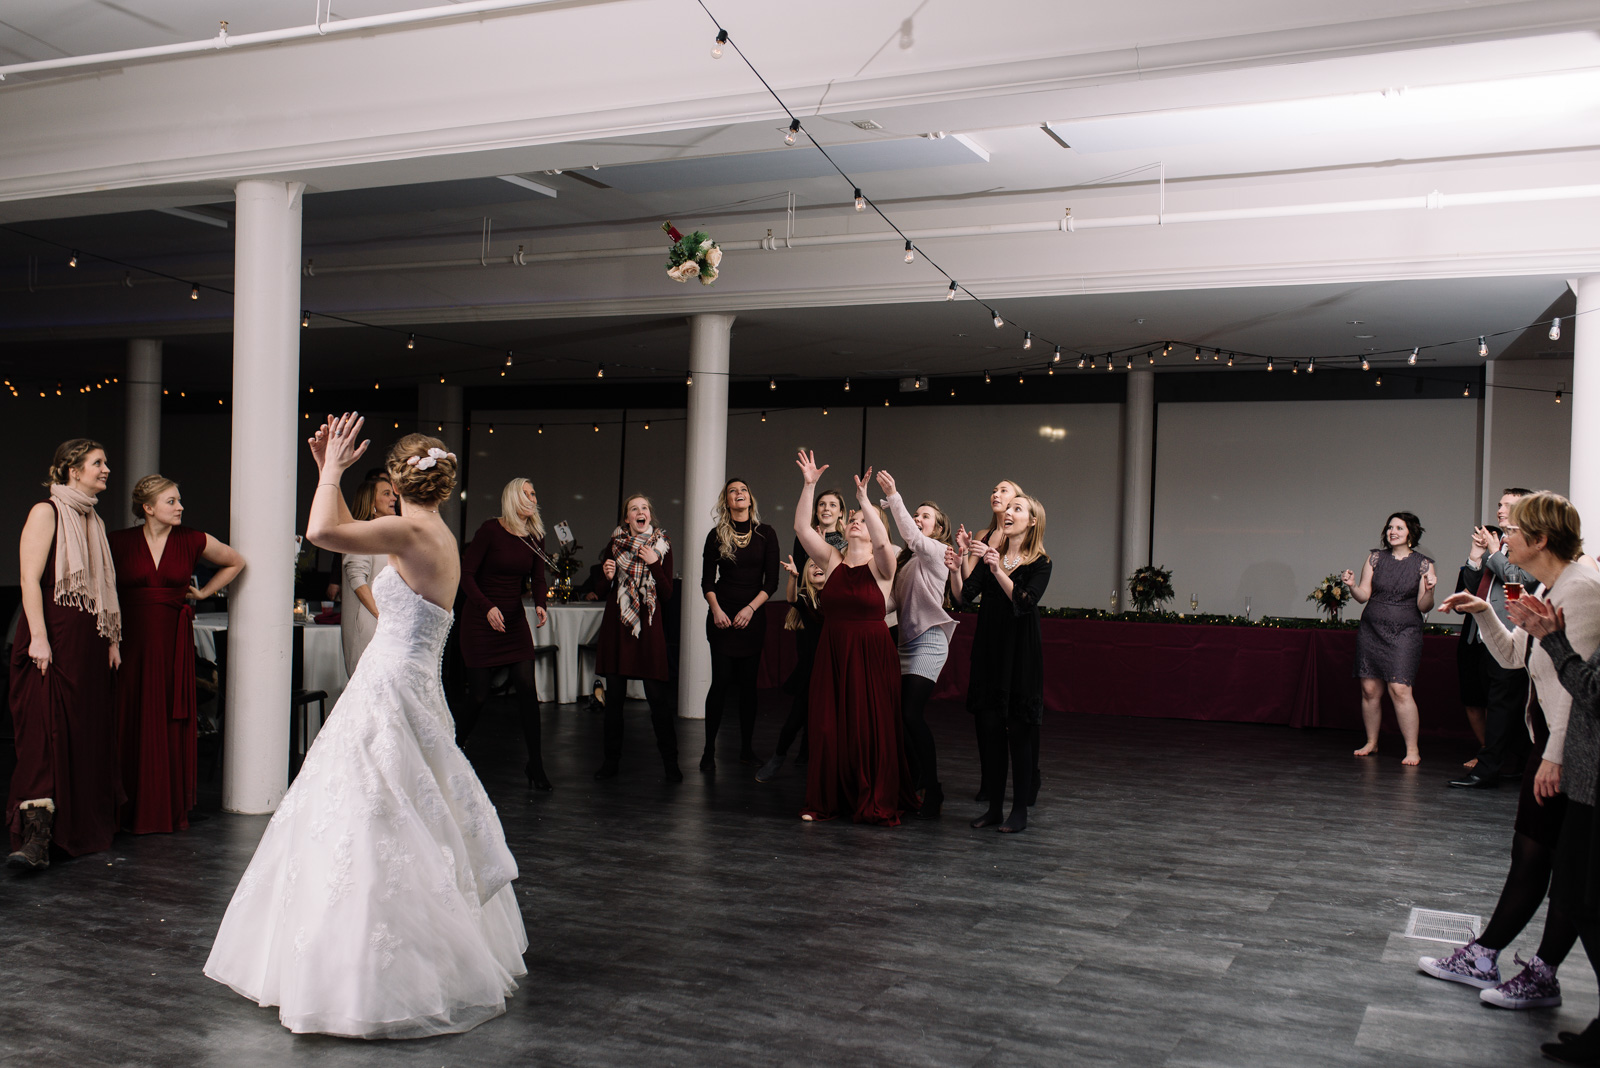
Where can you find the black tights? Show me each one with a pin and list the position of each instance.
(986, 761)
(659, 694)
(738, 674)
(1011, 741)
(799, 710)
(479, 688)
(1520, 898)
(915, 690)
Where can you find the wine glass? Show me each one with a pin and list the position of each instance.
(1194, 602)
(1247, 608)
(1113, 600)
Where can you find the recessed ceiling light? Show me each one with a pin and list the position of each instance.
(963, 335)
(865, 124)
(1355, 322)
(1364, 337)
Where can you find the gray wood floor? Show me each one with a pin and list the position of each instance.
(1186, 894)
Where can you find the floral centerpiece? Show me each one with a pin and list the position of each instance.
(1330, 595)
(692, 256)
(1149, 588)
(565, 564)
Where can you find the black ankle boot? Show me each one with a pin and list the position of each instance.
(932, 802)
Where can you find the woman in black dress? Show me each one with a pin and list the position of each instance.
(1004, 492)
(504, 553)
(739, 574)
(805, 621)
(1397, 588)
(1006, 689)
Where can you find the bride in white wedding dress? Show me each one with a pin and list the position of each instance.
(379, 901)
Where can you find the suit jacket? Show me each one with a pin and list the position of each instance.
(1501, 571)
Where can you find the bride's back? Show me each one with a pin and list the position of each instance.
(430, 562)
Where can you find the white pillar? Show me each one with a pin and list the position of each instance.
(441, 406)
(1138, 456)
(705, 469)
(1584, 479)
(267, 439)
(141, 455)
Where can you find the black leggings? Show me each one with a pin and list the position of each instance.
(1009, 741)
(659, 694)
(479, 689)
(736, 674)
(986, 791)
(915, 690)
(799, 710)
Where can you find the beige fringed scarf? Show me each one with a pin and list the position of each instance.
(85, 577)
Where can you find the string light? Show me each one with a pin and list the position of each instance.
(600, 371)
(1379, 381)
(397, 424)
(1197, 353)
(1466, 389)
(1558, 392)
(1151, 357)
(541, 427)
(411, 341)
(793, 134)
(194, 292)
(72, 261)
(305, 318)
(861, 201)
(1080, 363)
(1050, 369)
(1483, 347)
(1555, 329)
(508, 357)
(1027, 340)
(1019, 378)
(763, 417)
(441, 379)
(688, 379)
(647, 424)
(772, 383)
(950, 294)
(1311, 366)
(824, 411)
(1111, 364)
(1056, 357)
(998, 322)
(886, 402)
(375, 383)
(847, 385)
(597, 428)
(911, 253)
(1167, 351)
(1216, 354)
(1413, 357)
(1269, 363)
(1365, 366)
(491, 428)
(1296, 368)
(1127, 363)
(722, 39)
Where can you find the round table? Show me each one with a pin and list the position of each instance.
(324, 658)
(567, 627)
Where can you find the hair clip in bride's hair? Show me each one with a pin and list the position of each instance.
(422, 463)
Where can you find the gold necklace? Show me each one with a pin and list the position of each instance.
(742, 541)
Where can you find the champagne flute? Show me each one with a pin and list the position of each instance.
(1113, 600)
(1194, 602)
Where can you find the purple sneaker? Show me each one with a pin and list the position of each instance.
(1472, 964)
(1534, 987)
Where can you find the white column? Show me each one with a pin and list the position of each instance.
(705, 469)
(1138, 456)
(441, 406)
(267, 439)
(141, 455)
(1584, 484)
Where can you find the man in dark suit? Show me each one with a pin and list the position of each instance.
(1504, 691)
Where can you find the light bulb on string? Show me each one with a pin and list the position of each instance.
(1311, 366)
(824, 411)
(998, 322)
(793, 134)
(950, 294)
(491, 428)
(861, 201)
(375, 383)
(1378, 381)
(508, 358)
(1365, 366)
(1111, 364)
(1559, 391)
(647, 424)
(763, 417)
(541, 427)
(438, 428)
(1296, 368)
(1483, 348)
(1269, 363)
(600, 371)
(722, 39)
(597, 428)
(772, 383)
(1216, 354)
(72, 261)
(194, 292)
(1197, 353)
(1412, 359)
(911, 253)
(886, 402)
(305, 318)
(1050, 369)
(1151, 357)
(1081, 362)
(1027, 340)
(688, 379)
(1127, 363)
(986, 378)
(847, 385)
(1019, 378)
(1056, 357)
(1555, 329)
(411, 341)
(1167, 349)
(1466, 389)
(441, 379)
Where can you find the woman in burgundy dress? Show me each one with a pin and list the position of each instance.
(63, 708)
(739, 573)
(637, 565)
(494, 628)
(155, 685)
(858, 759)
(1397, 587)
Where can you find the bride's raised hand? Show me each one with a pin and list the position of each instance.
(342, 445)
(808, 467)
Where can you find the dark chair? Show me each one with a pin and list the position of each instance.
(300, 703)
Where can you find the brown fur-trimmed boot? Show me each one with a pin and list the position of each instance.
(37, 817)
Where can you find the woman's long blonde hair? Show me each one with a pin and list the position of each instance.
(994, 517)
(725, 520)
(807, 590)
(1033, 542)
(511, 515)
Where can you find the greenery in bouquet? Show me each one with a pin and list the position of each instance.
(1149, 588)
(692, 256)
(1330, 596)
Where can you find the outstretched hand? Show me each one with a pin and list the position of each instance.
(337, 443)
(886, 483)
(788, 565)
(1463, 602)
(808, 467)
(864, 488)
(964, 540)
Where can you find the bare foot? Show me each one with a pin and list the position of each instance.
(1471, 763)
(1366, 750)
(1412, 760)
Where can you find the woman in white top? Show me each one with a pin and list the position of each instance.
(359, 618)
(925, 628)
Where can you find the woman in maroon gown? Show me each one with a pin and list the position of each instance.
(503, 553)
(637, 565)
(858, 759)
(64, 790)
(155, 686)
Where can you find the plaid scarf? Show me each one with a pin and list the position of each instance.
(636, 586)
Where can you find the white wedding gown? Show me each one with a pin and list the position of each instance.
(379, 901)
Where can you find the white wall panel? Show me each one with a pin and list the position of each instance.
(1530, 436)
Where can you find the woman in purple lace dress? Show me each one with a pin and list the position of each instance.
(1397, 588)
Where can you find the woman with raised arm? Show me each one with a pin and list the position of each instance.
(637, 564)
(739, 572)
(858, 764)
(379, 901)
(999, 498)
(1006, 689)
(827, 519)
(64, 791)
(506, 551)
(920, 580)
(805, 622)
(156, 716)
(1397, 587)
(358, 618)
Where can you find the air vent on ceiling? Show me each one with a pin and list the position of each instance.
(865, 124)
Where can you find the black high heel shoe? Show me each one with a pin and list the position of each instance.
(932, 802)
(537, 780)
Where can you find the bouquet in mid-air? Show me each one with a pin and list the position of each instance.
(691, 256)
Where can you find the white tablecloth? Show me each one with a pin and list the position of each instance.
(569, 626)
(324, 663)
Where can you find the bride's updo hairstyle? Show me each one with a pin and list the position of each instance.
(417, 470)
